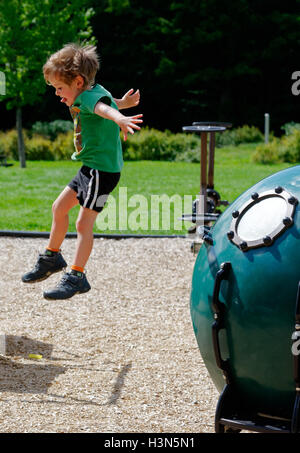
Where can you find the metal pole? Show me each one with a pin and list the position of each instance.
(267, 127)
(212, 144)
(203, 167)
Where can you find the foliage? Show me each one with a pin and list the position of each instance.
(29, 31)
(285, 149)
(244, 134)
(191, 60)
(52, 129)
(38, 148)
(290, 151)
(290, 127)
(201, 60)
(63, 146)
(267, 153)
(151, 144)
(147, 144)
(9, 143)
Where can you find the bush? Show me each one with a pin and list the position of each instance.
(286, 149)
(268, 153)
(289, 128)
(9, 143)
(53, 129)
(147, 144)
(291, 147)
(151, 144)
(38, 148)
(244, 134)
(63, 146)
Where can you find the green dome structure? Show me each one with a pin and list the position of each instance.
(245, 307)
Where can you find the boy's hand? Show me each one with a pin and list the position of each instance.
(130, 99)
(129, 123)
(126, 123)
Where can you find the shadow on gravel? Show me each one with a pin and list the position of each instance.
(33, 377)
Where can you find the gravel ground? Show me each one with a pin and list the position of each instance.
(121, 358)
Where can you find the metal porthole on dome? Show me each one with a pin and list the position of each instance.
(262, 219)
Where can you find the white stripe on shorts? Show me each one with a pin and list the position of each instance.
(95, 194)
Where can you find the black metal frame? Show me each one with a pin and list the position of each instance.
(3, 160)
(211, 198)
(231, 416)
(267, 240)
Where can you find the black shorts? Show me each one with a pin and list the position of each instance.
(93, 187)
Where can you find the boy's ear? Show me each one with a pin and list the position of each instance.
(79, 81)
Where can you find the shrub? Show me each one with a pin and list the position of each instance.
(38, 148)
(63, 146)
(52, 129)
(190, 155)
(9, 143)
(289, 128)
(268, 153)
(186, 147)
(244, 134)
(286, 149)
(151, 144)
(148, 144)
(291, 147)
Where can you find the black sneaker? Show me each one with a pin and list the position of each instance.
(70, 284)
(45, 266)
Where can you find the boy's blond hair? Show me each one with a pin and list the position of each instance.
(70, 61)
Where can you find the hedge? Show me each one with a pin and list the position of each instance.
(54, 141)
(284, 149)
(147, 144)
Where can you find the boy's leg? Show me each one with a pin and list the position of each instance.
(93, 186)
(85, 237)
(60, 221)
(51, 260)
(76, 281)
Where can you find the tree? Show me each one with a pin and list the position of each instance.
(199, 60)
(30, 30)
(192, 60)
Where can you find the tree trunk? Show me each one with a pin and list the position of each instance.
(21, 148)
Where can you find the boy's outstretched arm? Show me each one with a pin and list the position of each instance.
(126, 123)
(130, 99)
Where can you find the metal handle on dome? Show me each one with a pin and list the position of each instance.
(219, 312)
(295, 422)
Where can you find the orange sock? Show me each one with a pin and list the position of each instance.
(77, 268)
(53, 250)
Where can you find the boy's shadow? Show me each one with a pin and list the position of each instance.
(34, 377)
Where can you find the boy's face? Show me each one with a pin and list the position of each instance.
(67, 93)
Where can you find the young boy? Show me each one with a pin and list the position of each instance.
(97, 122)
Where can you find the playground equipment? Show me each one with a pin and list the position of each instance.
(245, 307)
(3, 160)
(205, 208)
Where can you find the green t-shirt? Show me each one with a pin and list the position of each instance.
(96, 139)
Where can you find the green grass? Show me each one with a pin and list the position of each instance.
(27, 194)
